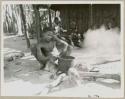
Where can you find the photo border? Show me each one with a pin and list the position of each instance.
(122, 2)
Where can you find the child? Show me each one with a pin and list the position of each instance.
(43, 50)
(57, 26)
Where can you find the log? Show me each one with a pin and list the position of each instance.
(96, 75)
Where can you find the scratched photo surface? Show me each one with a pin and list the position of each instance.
(64, 50)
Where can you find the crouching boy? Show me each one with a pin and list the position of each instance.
(44, 51)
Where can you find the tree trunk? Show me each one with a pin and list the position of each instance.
(37, 22)
(19, 25)
(24, 23)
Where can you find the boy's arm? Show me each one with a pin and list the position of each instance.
(61, 42)
(63, 30)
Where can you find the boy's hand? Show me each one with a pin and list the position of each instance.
(63, 53)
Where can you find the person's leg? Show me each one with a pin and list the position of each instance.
(33, 50)
(34, 53)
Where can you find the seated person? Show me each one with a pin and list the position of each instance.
(75, 36)
(57, 26)
(43, 51)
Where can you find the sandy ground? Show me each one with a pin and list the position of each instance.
(23, 77)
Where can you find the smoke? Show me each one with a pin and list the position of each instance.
(103, 41)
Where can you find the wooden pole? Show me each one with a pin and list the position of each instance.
(91, 16)
(50, 21)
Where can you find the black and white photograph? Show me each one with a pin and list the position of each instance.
(62, 49)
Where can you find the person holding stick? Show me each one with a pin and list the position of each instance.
(44, 51)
